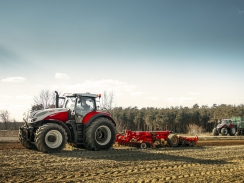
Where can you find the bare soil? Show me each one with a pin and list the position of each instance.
(204, 163)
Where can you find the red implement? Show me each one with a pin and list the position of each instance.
(144, 139)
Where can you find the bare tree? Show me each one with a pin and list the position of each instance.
(26, 114)
(45, 99)
(37, 107)
(5, 116)
(107, 100)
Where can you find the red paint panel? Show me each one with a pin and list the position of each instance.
(89, 115)
(61, 116)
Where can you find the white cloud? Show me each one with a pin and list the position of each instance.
(6, 96)
(14, 79)
(137, 94)
(119, 88)
(152, 98)
(40, 86)
(24, 97)
(180, 99)
(240, 12)
(170, 99)
(8, 106)
(62, 76)
(3, 105)
(193, 93)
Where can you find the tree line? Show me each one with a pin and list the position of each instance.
(10, 125)
(177, 119)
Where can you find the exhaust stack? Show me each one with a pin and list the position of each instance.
(57, 98)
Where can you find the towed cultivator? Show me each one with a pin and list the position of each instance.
(152, 139)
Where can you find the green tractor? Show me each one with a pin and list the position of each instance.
(239, 122)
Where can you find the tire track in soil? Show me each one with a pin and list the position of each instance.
(123, 165)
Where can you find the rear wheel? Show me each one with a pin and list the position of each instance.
(224, 131)
(51, 138)
(232, 131)
(215, 132)
(173, 140)
(100, 135)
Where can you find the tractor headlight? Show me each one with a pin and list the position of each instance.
(33, 120)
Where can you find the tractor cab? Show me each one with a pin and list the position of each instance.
(224, 122)
(79, 104)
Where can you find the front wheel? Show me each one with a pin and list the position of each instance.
(224, 131)
(215, 132)
(100, 135)
(51, 138)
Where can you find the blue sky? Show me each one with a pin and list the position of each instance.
(149, 53)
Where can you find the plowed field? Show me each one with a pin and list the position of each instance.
(202, 163)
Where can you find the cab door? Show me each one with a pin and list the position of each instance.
(84, 105)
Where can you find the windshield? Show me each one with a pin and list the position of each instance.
(225, 121)
(85, 104)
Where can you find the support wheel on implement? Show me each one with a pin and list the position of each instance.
(173, 140)
(143, 145)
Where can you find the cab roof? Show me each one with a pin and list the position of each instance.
(81, 94)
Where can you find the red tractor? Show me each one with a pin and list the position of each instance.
(225, 127)
(78, 122)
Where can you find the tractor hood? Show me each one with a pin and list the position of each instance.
(46, 114)
(221, 125)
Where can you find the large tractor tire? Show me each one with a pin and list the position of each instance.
(224, 132)
(215, 132)
(173, 140)
(51, 138)
(100, 135)
(232, 131)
